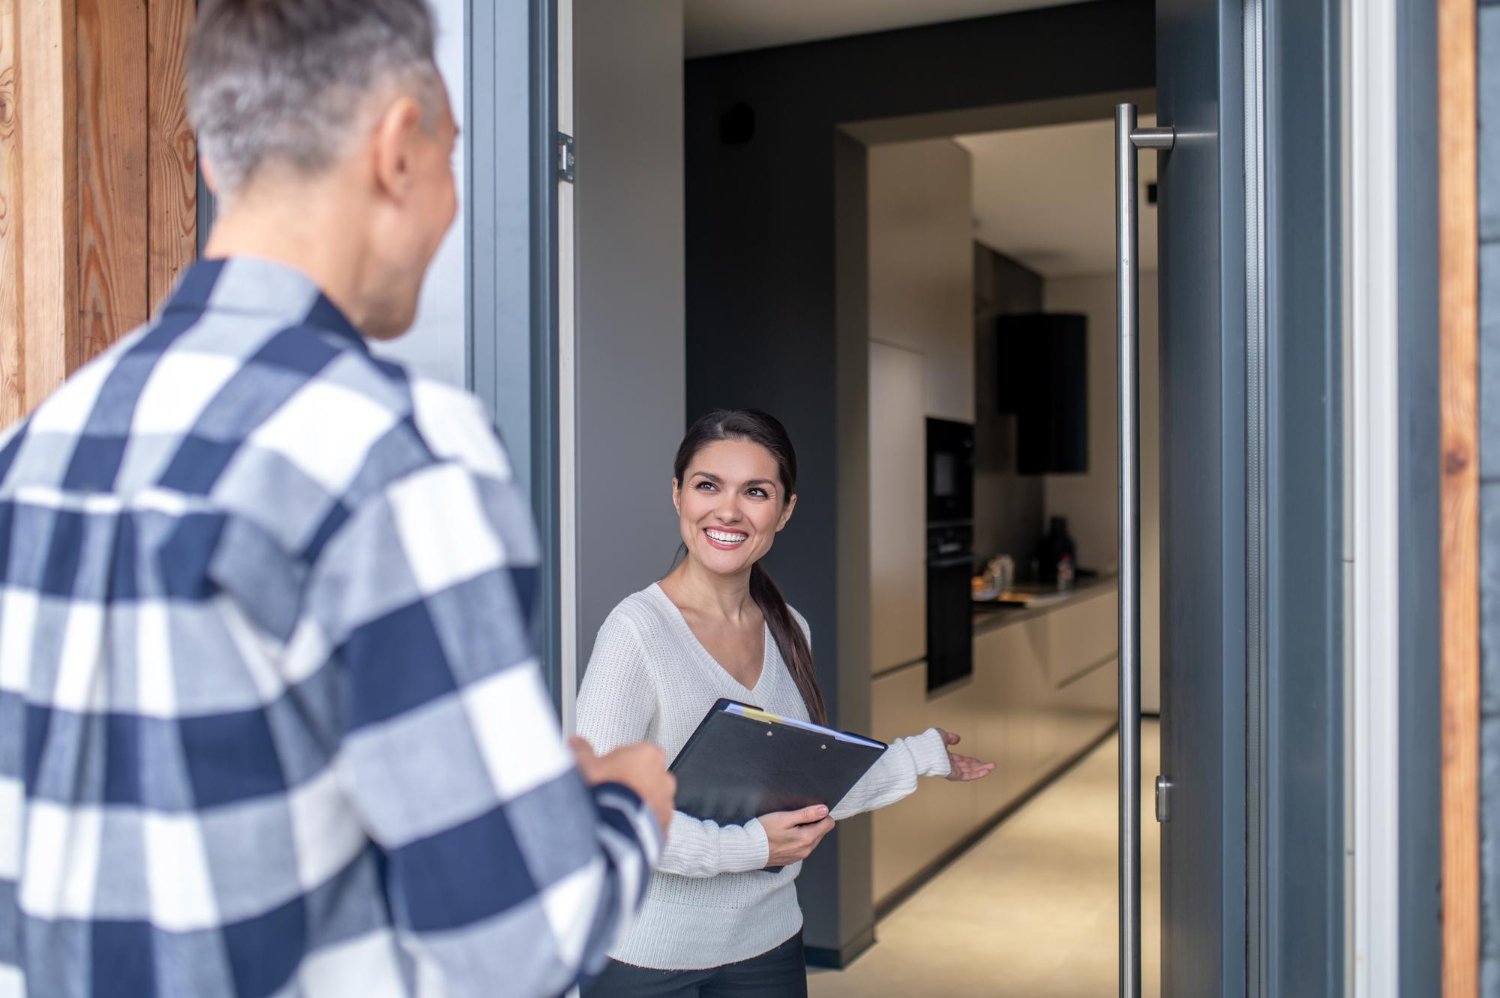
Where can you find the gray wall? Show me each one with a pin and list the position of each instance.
(1489, 368)
(629, 224)
(764, 219)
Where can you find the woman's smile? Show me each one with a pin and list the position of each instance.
(725, 540)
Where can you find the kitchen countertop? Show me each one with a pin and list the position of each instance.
(990, 618)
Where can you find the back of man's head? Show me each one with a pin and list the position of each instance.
(282, 82)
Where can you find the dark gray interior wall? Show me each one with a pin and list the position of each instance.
(1007, 506)
(762, 309)
(835, 889)
(628, 118)
(1489, 468)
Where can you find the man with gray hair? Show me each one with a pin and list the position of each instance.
(270, 722)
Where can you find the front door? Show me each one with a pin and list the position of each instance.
(1202, 350)
(1250, 269)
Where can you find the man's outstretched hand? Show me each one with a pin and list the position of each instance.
(640, 766)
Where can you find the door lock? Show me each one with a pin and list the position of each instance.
(1163, 799)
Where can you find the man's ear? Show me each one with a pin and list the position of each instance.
(786, 514)
(209, 179)
(395, 145)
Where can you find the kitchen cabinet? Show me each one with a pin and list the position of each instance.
(1043, 691)
(937, 817)
(898, 515)
(920, 238)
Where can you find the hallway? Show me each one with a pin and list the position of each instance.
(1030, 911)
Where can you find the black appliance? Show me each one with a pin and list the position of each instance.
(950, 614)
(1043, 380)
(950, 551)
(950, 472)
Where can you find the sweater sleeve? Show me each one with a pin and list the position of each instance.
(617, 704)
(895, 775)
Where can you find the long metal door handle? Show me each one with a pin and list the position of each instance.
(1129, 138)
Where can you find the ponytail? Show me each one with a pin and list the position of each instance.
(790, 641)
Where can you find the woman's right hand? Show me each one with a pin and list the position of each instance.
(795, 834)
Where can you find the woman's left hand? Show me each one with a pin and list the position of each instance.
(963, 768)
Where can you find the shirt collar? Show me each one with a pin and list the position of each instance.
(252, 286)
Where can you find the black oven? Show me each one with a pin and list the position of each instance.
(950, 614)
(950, 551)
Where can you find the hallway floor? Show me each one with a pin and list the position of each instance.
(1028, 911)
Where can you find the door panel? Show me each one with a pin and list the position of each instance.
(1202, 489)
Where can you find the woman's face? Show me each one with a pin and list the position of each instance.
(730, 505)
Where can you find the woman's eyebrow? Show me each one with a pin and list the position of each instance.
(754, 482)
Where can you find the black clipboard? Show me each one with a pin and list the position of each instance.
(737, 767)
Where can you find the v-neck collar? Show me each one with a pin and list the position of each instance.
(707, 658)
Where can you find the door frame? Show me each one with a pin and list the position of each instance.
(518, 322)
(1396, 770)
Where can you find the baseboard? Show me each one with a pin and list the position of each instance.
(838, 959)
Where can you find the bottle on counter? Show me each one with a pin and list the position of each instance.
(1052, 548)
(1065, 572)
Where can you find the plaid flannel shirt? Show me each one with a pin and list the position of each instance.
(269, 718)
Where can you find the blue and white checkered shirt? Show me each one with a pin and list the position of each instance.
(269, 718)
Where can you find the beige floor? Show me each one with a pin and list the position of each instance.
(1030, 910)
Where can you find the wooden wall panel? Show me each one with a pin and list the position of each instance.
(98, 180)
(1459, 351)
(112, 170)
(12, 379)
(173, 193)
(46, 120)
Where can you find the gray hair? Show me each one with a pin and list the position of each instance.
(284, 80)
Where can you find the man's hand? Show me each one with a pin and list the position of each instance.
(641, 766)
(793, 835)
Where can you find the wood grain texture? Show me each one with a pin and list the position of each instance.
(12, 378)
(173, 178)
(112, 171)
(46, 119)
(1458, 240)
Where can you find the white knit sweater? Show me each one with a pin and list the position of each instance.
(711, 902)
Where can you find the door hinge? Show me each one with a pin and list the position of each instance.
(1163, 799)
(565, 158)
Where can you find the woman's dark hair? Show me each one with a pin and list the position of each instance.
(764, 429)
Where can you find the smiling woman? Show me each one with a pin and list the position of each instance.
(734, 484)
(719, 912)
